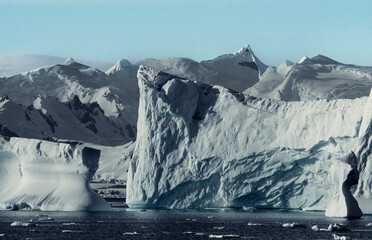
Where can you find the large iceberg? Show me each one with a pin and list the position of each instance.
(363, 191)
(208, 146)
(42, 175)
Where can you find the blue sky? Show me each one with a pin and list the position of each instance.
(107, 30)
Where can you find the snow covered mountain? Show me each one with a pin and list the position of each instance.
(207, 146)
(68, 101)
(237, 71)
(313, 78)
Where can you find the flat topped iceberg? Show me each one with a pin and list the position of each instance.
(208, 146)
(42, 175)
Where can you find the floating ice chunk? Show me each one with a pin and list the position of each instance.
(219, 228)
(22, 224)
(130, 233)
(231, 236)
(199, 234)
(315, 228)
(344, 175)
(338, 228)
(2, 234)
(46, 219)
(226, 236)
(68, 224)
(70, 231)
(255, 224)
(215, 236)
(340, 237)
(248, 209)
(369, 225)
(188, 232)
(294, 225)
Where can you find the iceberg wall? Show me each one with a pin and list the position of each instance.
(344, 174)
(42, 175)
(208, 146)
(363, 191)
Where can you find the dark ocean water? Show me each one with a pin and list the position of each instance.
(175, 225)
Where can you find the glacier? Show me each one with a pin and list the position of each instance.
(51, 176)
(204, 146)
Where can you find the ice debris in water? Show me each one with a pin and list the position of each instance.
(369, 225)
(248, 209)
(68, 224)
(255, 224)
(46, 219)
(219, 228)
(22, 224)
(70, 231)
(2, 234)
(332, 228)
(294, 225)
(188, 232)
(340, 237)
(338, 228)
(315, 228)
(199, 234)
(226, 236)
(131, 233)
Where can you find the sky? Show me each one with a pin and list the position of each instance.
(107, 30)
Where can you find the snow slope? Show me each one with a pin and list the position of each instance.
(313, 78)
(49, 176)
(49, 118)
(81, 97)
(207, 146)
(237, 71)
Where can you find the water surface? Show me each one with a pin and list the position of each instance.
(150, 224)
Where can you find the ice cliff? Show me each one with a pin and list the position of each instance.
(44, 175)
(344, 174)
(363, 191)
(208, 146)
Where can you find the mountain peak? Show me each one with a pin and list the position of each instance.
(69, 61)
(305, 59)
(121, 64)
(246, 49)
(323, 60)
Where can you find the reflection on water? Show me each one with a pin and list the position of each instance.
(136, 224)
